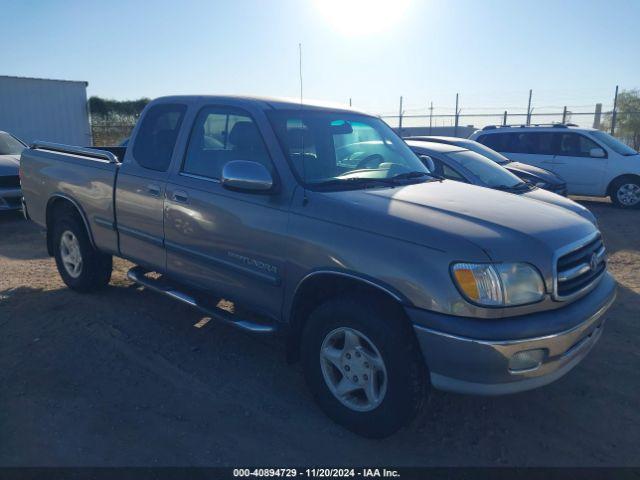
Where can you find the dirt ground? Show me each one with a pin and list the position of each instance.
(122, 378)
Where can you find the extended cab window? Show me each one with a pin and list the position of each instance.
(221, 135)
(576, 145)
(154, 143)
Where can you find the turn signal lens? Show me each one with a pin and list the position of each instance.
(479, 283)
(467, 283)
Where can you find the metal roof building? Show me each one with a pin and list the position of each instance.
(44, 109)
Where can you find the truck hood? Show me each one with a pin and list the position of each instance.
(454, 217)
(560, 201)
(9, 165)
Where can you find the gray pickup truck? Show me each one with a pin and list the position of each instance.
(383, 278)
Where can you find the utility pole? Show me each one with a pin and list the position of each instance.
(400, 116)
(564, 115)
(504, 119)
(529, 108)
(615, 111)
(350, 101)
(597, 117)
(455, 130)
(430, 117)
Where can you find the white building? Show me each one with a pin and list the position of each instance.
(43, 109)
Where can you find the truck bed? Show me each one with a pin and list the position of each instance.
(84, 176)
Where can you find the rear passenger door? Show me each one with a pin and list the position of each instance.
(141, 182)
(228, 243)
(576, 164)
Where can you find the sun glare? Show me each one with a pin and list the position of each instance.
(362, 17)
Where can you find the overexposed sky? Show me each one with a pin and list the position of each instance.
(492, 52)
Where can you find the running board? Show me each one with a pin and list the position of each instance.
(138, 275)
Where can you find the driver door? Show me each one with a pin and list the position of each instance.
(227, 243)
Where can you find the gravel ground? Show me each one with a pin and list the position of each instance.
(122, 378)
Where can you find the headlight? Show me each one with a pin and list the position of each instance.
(498, 284)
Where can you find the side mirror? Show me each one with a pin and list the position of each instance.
(246, 176)
(428, 162)
(597, 153)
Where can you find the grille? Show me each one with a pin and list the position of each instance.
(10, 181)
(580, 268)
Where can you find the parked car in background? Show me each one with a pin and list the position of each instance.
(591, 161)
(10, 192)
(322, 225)
(535, 175)
(463, 165)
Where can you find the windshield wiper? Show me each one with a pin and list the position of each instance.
(511, 188)
(416, 174)
(354, 181)
(403, 176)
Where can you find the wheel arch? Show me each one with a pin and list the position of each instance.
(633, 176)
(58, 202)
(319, 286)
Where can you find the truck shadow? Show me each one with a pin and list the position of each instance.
(128, 361)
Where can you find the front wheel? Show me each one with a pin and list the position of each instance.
(363, 365)
(625, 192)
(82, 267)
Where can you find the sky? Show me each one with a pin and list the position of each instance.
(491, 52)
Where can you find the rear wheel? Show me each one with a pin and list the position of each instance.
(625, 192)
(82, 267)
(363, 365)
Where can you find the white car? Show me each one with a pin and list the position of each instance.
(591, 161)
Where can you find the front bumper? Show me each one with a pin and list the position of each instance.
(10, 198)
(479, 363)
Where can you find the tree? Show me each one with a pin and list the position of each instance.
(122, 110)
(627, 117)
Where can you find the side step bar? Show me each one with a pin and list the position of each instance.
(138, 275)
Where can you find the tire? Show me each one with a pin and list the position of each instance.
(398, 399)
(625, 192)
(95, 267)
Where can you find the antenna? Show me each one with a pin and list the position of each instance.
(305, 200)
(300, 70)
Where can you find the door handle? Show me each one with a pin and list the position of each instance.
(180, 196)
(153, 189)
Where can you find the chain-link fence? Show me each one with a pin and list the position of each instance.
(107, 134)
(627, 124)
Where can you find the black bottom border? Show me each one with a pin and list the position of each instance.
(406, 473)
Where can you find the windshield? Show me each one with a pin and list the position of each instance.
(491, 174)
(336, 147)
(613, 143)
(10, 145)
(487, 152)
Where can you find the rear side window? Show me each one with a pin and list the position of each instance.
(539, 143)
(494, 142)
(219, 136)
(576, 145)
(156, 139)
